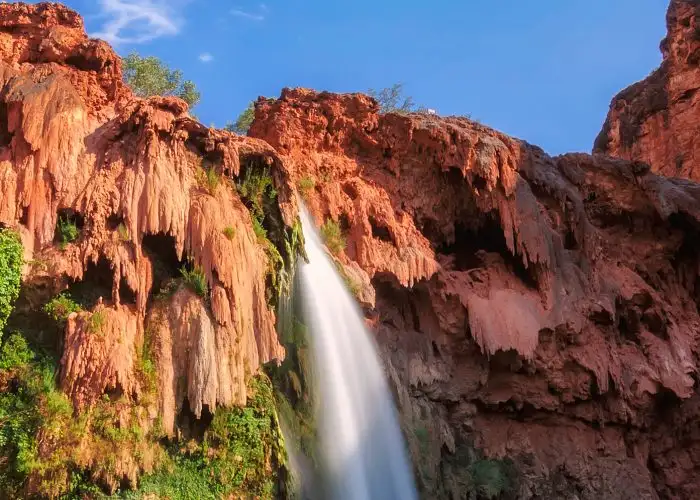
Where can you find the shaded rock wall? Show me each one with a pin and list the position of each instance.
(527, 307)
(130, 172)
(655, 120)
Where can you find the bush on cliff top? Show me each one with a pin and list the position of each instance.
(11, 259)
(149, 76)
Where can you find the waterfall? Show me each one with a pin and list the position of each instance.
(360, 445)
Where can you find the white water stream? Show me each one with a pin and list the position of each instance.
(361, 448)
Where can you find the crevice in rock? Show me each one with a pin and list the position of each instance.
(470, 243)
(380, 231)
(95, 286)
(5, 135)
(191, 427)
(161, 250)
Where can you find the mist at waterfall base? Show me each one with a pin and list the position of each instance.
(360, 449)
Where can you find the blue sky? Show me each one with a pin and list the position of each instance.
(541, 70)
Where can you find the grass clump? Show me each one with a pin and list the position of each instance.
(196, 280)
(258, 188)
(60, 307)
(239, 457)
(491, 478)
(306, 185)
(123, 232)
(97, 322)
(229, 232)
(333, 236)
(11, 260)
(67, 230)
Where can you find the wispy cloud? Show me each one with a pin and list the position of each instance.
(138, 21)
(206, 57)
(258, 15)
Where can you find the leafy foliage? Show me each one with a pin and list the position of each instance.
(67, 230)
(257, 188)
(333, 236)
(149, 76)
(208, 178)
(15, 352)
(392, 99)
(244, 120)
(229, 232)
(196, 280)
(97, 322)
(490, 478)
(60, 307)
(306, 185)
(123, 232)
(240, 454)
(11, 259)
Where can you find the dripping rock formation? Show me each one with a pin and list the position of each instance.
(537, 315)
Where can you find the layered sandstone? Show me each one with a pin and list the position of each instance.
(130, 172)
(655, 120)
(540, 309)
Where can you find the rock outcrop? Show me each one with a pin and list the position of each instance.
(655, 120)
(131, 174)
(534, 308)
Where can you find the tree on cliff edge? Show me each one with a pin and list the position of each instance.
(392, 100)
(148, 76)
(244, 120)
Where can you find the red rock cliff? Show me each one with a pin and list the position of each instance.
(130, 172)
(656, 120)
(536, 308)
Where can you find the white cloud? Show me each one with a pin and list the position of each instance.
(139, 21)
(253, 16)
(206, 57)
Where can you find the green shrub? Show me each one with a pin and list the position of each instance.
(11, 260)
(68, 232)
(230, 232)
(306, 185)
(259, 230)
(60, 307)
(123, 232)
(209, 178)
(333, 236)
(196, 280)
(490, 478)
(15, 352)
(257, 187)
(97, 321)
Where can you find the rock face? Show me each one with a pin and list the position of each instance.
(655, 120)
(527, 307)
(537, 316)
(130, 173)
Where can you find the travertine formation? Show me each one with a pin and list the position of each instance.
(541, 309)
(656, 120)
(130, 173)
(532, 308)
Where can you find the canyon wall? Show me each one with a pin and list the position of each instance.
(150, 195)
(537, 315)
(656, 120)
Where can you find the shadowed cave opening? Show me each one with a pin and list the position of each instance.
(161, 249)
(488, 237)
(5, 135)
(96, 283)
(191, 427)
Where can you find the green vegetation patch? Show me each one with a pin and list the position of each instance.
(333, 236)
(11, 260)
(67, 230)
(196, 280)
(60, 307)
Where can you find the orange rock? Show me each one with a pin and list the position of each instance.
(655, 120)
(531, 305)
(75, 140)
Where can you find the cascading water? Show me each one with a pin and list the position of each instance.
(361, 448)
